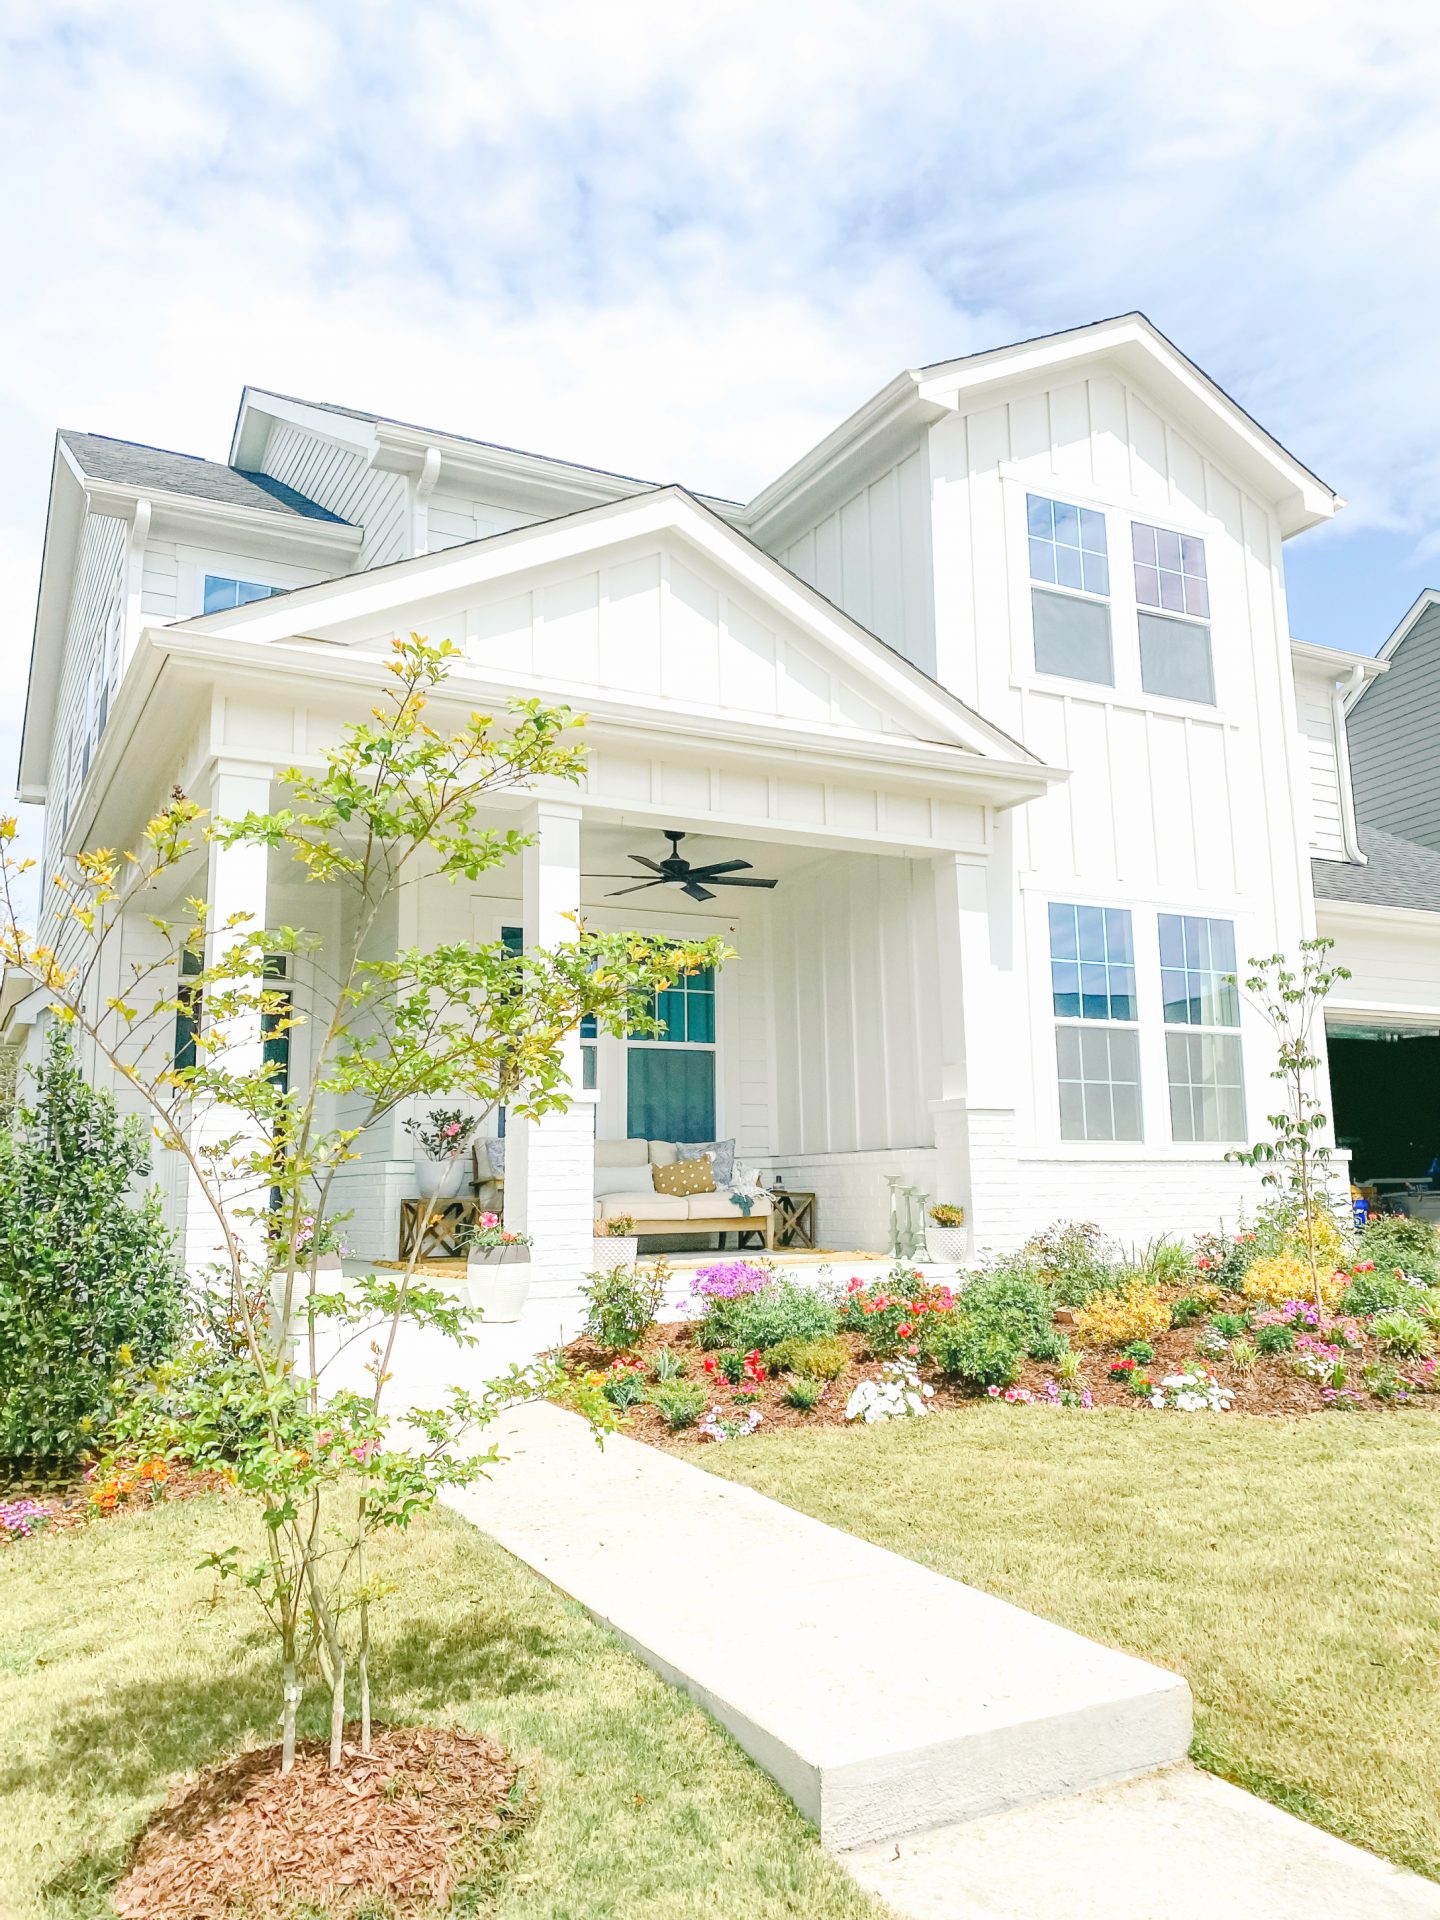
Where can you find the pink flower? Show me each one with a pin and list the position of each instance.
(994, 1392)
(452, 1129)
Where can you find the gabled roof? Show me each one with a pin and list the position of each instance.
(363, 602)
(130, 463)
(922, 395)
(1397, 873)
(1427, 597)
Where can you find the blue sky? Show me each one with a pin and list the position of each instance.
(685, 241)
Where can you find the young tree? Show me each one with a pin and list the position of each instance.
(1297, 1160)
(399, 799)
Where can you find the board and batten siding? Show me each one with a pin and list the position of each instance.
(1315, 708)
(1163, 794)
(1394, 735)
(871, 556)
(338, 478)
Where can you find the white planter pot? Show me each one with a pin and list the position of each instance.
(440, 1179)
(616, 1250)
(946, 1245)
(497, 1282)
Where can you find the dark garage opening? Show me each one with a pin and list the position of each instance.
(1385, 1086)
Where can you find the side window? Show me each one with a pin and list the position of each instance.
(1172, 595)
(1097, 1042)
(1070, 590)
(1202, 1020)
(222, 594)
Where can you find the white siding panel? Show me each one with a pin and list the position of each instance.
(338, 479)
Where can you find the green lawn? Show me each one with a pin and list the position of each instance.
(1289, 1569)
(116, 1676)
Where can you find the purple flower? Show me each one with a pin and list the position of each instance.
(729, 1280)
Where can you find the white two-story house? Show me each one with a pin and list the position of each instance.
(996, 684)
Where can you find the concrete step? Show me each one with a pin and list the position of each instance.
(1176, 1845)
(883, 1698)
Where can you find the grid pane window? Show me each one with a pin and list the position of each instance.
(688, 1010)
(1196, 956)
(1201, 1004)
(1207, 1090)
(1092, 963)
(1170, 571)
(1067, 545)
(222, 594)
(1097, 1046)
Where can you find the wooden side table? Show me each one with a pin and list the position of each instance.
(447, 1231)
(793, 1215)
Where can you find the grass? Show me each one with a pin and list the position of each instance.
(117, 1675)
(1289, 1569)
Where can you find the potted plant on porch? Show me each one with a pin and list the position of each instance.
(497, 1270)
(616, 1243)
(442, 1137)
(945, 1235)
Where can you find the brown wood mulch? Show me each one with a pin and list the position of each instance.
(1268, 1388)
(403, 1827)
(69, 1500)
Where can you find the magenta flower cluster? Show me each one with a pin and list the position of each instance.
(729, 1280)
(20, 1518)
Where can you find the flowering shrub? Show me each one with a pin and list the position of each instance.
(1124, 1367)
(1316, 1359)
(1136, 1312)
(730, 1280)
(744, 1371)
(21, 1520)
(1223, 1258)
(679, 1402)
(1073, 1258)
(1193, 1391)
(764, 1316)
(889, 1316)
(1373, 1289)
(1277, 1277)
(975, 1353)
(897, 1395)
(1049, 1395)
(943, 1214)
(622, 1303)
(488, 1232)
(114, 1480)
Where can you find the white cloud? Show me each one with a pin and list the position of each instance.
(684, 241)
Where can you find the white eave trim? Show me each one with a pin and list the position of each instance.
(292, 529)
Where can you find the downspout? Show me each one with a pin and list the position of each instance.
(1340, 694)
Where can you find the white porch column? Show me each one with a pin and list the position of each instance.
(236, 882)
(550, 1162)
(983, 1039)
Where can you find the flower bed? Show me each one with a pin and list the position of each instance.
(762, 1353)
(30, 1509)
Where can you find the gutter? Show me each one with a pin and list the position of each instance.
(1340, 694)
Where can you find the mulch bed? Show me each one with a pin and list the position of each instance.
(1268, 1388)
(69, 1499)
(400, 1828)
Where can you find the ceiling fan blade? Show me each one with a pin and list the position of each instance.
(737, 880)
(721, 866)
(654, 865)
(639, 887)
(696, 892)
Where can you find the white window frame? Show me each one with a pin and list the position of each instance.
(1203, 1030)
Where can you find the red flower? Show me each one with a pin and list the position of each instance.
(904, 1331)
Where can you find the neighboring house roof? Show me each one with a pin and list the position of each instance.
(130, 463)
(1397, 873)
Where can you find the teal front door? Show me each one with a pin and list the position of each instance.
(670, 1093)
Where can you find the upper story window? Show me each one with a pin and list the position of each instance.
(1069, 594)
(1174, 638)
(222, 594)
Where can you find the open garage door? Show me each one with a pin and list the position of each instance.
(1385, 1088)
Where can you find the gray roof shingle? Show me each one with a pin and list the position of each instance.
(1398, 873)
(133, 465)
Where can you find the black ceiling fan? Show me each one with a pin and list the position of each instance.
(676, 871)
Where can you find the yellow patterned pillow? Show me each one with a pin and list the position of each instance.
(685, 1176)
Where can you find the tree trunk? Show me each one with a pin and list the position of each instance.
(337, 1709)
(292, 1708)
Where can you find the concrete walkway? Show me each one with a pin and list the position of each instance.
(967, 1760)
(884, 1698)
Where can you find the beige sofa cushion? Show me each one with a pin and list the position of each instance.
(622, 1153)
(719, 1206)
(642, 1206)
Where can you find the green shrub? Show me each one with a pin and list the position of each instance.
(1275, 1339)
(1166, 1261)
(975, 1354)
(731, 1364)
(1048, 1345)
(89, 1281)
(1383, 1381)
(1379, 1292)
(803, 1392)
(781, 1311)
(826, 1359)
(680, 1402)
(1013, 1300)
(1231, 1326)
(1189, 1308)
(668, 1365)
(624, 1385)
(1393, 1240)
(1244, 1354)
(1140, 1351)
(1401, 1333)
(1427, 1306)
(1073, 1258)
(621, 1305)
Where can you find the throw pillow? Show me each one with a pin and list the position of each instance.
(686, 1176)
(663, 1153)
(621, 1180)
(495, 1152)
(721, 1152)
